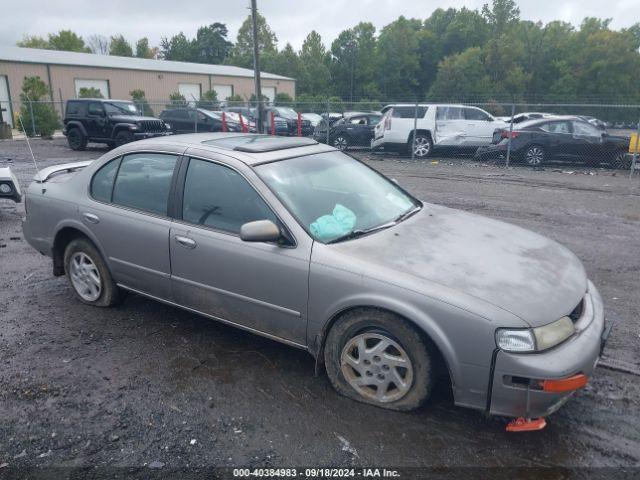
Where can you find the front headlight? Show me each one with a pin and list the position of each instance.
(536, 339)
(554, 333)
(520, 340)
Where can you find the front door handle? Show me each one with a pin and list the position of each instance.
(90, 217)
(186, 242)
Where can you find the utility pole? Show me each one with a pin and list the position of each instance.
(256, 62)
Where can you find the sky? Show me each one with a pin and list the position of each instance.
(291, 20)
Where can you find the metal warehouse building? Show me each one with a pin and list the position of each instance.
(67, 72)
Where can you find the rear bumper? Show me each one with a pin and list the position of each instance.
(517, 389)
(8, 178)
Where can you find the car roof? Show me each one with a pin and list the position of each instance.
(249, 148)
(550, 118)
(98, 100)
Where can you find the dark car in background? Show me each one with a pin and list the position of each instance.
(114, 122)
(355, 130)
(290, 116)
(563, 138)
(192, 120)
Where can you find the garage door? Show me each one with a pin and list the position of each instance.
(102, 85)
(190, 91)
(269, 92)
(223, 91)
(5, 105)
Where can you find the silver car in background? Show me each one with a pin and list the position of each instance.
(301, 243)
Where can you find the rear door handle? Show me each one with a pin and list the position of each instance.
(90, 217)
(186, 242)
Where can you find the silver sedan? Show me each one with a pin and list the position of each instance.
(303, 244)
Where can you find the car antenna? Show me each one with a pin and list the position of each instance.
(28, 142)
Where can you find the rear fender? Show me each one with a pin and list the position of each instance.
(76, 124)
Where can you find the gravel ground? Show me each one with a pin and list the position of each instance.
(146, 384)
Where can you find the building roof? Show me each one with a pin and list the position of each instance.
(57, 57)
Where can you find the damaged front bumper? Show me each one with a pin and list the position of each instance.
(538, 384)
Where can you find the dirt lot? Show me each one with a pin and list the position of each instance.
(147, 384)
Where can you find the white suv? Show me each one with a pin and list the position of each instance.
(442, 125)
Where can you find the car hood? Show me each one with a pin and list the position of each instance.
(514, 269)
(130, 118)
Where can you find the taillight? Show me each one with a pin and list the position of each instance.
(505, 134)
(387, 122)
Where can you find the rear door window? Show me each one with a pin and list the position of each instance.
(102, 181)
(556, 127)
(74, 108)
(144, 181)
(408, 111)
(450, 113)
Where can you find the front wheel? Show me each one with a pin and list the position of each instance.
(88, 274)
(620, 160)
(123, 137)
(422, 146)
(341, 142)
(378, 358)
(534, 156)
(76, 139)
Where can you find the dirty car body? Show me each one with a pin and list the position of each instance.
(505, 311)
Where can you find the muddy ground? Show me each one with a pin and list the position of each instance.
(147, 384)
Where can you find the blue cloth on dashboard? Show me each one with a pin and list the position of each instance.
(340, 222)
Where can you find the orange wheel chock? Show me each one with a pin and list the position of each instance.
(522, 424)
(565, 384)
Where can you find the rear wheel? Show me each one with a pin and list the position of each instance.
(88, 274)
(620, 160)
(534, 155)
(76, 139)
(378, 358)
(123, 137)
(422, 146)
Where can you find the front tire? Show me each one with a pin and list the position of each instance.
(422, 147)
(620, 160)
(88, 274)
(378, 358)
(341, 142)
(76, 139)
(123, 137)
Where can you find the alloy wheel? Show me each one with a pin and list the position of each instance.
(341, 143)
(85, 277)
(421, 147)
(377, 367)
(534, 156)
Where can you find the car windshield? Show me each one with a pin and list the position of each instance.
(118, 108)
(320, 191)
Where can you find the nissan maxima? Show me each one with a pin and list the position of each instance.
(296, 241)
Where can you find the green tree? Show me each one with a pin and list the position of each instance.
(89, 92)
(211, 44)
(177, 100)
(119, 47)
(235, 98)
(314, 75)
(68, 41)
(177, 48)
(502, 15)
(399, 59)
(461, 77)
(209, 100)
(285, 62)
(143, 50)
(37, 114)
(34, 42)
(139, 98)
(242, 51)
(283, 98)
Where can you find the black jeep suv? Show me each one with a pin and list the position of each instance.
(114, 122)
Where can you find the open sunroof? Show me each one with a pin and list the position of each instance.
(260, 143)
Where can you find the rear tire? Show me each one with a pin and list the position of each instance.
(88, 274)
(423, 146)
(534, 156)
(376, 357)
(123, 137)
(76, 139)
(620, 160)
(341, 142)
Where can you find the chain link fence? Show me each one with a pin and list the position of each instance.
(532, 134)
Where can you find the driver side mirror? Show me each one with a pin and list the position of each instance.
(260, 231)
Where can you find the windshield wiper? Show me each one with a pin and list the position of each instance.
(407, 214)
(360, 232)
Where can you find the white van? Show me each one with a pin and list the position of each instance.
(438, 125)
